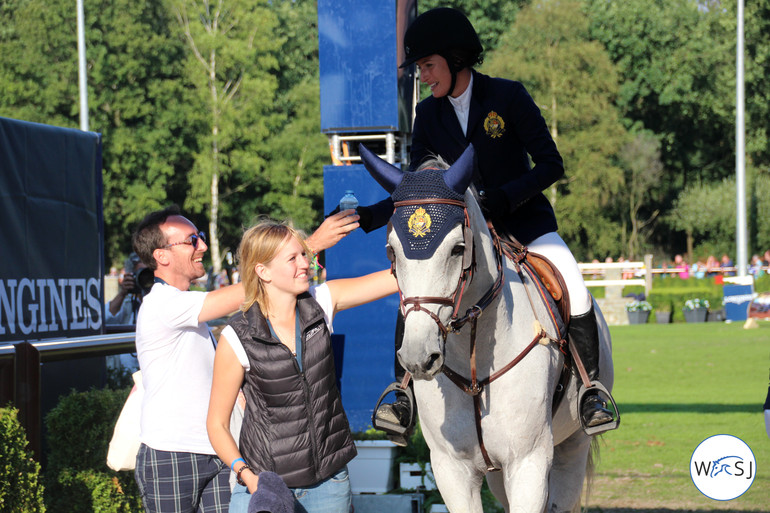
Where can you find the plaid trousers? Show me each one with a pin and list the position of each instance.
(182, 482)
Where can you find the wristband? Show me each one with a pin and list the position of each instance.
(236, 460)
(238, 474)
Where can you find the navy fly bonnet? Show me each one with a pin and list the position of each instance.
(421, 227)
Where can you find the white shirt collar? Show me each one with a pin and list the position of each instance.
(462, 105)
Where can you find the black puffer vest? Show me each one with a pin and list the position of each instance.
(294, 424)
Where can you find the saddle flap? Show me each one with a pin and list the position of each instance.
(553, 282)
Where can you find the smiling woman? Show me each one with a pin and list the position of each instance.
(278, 350)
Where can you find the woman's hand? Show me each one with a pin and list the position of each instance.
(251, 479)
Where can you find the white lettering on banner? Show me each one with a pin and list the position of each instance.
(742, 298)
(29, 307)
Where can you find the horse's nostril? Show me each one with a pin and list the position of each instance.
(433, 363)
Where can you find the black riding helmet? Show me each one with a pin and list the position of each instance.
(446, 32)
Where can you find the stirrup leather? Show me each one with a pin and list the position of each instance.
(389, 427)
(605, 394)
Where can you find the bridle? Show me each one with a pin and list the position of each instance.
(415, 303)
(408, 305)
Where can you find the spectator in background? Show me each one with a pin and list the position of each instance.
(728, 268)
(681, 266)
(755, 267)
(122, 309)
(712, 266)
(698, 269)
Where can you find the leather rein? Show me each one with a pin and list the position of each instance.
(472, 386)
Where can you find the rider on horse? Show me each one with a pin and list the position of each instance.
(505, 126)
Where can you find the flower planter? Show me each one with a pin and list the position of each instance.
(638, 316)
(663, 317)
(696, 315)
(716, 315)
(371, 471)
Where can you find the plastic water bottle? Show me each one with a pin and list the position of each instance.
(348, 201)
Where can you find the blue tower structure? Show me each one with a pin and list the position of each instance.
(365, 98)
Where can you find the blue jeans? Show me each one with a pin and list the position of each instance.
(332, 495)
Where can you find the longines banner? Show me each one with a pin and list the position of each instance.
(51, 239)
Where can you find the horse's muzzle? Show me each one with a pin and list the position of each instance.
(424, 368)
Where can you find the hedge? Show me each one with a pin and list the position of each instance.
(20, 486)
(77, 477)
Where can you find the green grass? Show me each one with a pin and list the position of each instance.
(677, 385)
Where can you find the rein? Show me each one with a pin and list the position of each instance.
(472, 386)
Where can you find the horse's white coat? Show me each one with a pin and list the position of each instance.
(543, 460)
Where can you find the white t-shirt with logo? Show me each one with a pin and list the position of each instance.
(176, 356)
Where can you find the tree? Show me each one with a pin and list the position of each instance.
(706, 213)
(676, 60)
(575, 84)
(138, 98)
(230, 43)
(643, 173)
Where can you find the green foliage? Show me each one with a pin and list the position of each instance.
(762, 283)
(20, 487)
(370, 434)
(77, 477)
(599, 70)
(671, 294)
(707, 209)
(677, 64)
(640, 159)
(575, 84)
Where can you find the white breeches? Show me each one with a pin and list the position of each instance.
(555, 249)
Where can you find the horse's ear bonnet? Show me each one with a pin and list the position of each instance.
(422, 227)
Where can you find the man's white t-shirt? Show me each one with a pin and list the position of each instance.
(176, 356)
(321, 294)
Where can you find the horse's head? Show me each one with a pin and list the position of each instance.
(430, 243)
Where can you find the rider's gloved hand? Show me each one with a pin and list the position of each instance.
(365, 221)
(494, 203)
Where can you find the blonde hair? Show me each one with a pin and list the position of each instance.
(259, 245)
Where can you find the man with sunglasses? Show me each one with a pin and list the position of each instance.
(177, 470)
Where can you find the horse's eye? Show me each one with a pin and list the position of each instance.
(458, 250)
(390, 253)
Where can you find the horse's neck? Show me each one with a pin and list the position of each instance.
(496, 316)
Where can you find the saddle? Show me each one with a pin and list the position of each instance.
(550, 277)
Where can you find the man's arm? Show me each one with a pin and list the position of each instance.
(221, 302)
(332, 230)
(125, 289)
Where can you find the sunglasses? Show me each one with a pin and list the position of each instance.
(192, 240)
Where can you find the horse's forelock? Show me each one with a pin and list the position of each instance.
(422, 227)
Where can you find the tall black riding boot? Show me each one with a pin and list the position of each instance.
(397, 419)
(585, 335)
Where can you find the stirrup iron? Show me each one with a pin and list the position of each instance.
(389, 427)
(604, 394)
